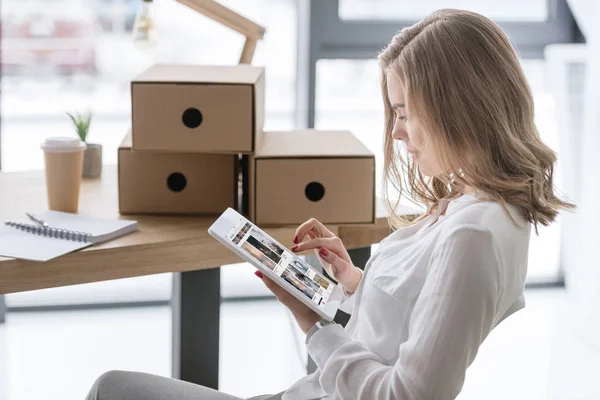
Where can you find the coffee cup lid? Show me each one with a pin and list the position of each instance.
(63, 144)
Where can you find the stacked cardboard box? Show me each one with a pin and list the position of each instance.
(189, 123)
(297, 175)
(197, 135)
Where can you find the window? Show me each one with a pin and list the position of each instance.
(73, 55)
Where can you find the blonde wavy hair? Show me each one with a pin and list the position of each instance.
(463, 81)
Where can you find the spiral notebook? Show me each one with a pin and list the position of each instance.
(65, 233)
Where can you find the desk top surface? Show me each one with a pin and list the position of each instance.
(162, 243)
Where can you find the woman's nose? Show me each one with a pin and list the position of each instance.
(399, 133)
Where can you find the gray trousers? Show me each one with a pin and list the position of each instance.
(124, 385)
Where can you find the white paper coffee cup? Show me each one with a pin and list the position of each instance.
(64, 163)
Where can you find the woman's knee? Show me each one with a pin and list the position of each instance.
(108, 384)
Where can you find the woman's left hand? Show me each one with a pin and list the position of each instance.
(305, 317)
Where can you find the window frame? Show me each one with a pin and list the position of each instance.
(322, 34)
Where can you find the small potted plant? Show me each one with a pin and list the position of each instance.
(92, 157)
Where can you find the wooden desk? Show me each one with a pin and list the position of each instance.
(179, 244)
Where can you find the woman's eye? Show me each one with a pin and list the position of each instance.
(402, 118)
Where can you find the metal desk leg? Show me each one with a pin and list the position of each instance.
(196, 307)
(2, 309)
(359, 258)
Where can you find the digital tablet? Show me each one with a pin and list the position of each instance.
(278, 263)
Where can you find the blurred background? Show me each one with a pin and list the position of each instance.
(321, 71)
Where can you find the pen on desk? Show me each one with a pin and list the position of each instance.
(37, 220)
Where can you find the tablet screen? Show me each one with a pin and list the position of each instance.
(282, 262)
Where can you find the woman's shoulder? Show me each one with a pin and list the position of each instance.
(503, 226)
(477, 212)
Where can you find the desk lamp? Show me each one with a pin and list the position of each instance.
(144, 30)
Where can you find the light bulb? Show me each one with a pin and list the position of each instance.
(144, 28)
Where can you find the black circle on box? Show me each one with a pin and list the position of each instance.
(314, 191)
(176, 182)
(192, 118)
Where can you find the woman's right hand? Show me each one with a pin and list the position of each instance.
(330, 251)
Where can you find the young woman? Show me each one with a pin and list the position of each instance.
(456, 99)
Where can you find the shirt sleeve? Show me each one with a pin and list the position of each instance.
(452, 316)
(348, 302)
(310, 333)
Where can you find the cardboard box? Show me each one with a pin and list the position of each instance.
(202, 109)
(298, 175)
(175, 183)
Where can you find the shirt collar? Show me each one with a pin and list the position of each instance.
(464, 198)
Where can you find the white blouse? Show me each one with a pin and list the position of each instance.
(429, 296)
